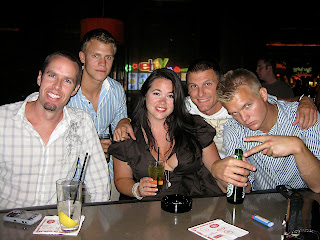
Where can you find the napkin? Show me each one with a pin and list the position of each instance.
(51, 225)
(218, 229)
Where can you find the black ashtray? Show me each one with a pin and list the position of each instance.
(176, 203)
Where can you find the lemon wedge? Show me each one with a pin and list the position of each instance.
(66, 221)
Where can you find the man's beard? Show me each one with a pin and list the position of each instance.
(50, 107)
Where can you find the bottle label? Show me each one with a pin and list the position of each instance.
(230, 189)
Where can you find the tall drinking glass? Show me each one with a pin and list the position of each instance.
(69, 203)
(156, 172)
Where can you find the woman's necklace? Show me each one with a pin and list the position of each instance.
(166, 175)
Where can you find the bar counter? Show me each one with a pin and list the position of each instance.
(146, 220)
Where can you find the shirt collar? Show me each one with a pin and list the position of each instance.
(193, 109)
(104, 88)
(106, 83)
(21, 111)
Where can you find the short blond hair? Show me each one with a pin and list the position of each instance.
(101, 35)
(232, 80)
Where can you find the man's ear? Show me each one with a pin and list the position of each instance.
(75, 90)
(269, 68)
(39, 78)
(82, 57)
(264, 93)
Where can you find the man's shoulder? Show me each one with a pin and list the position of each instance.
(10, 108)
(282, 83)
(76, 113)
(114, 90)
(288, 104)
(233, 128)
(277, 83)
(11, 105)
(289, 108)
(232, 123)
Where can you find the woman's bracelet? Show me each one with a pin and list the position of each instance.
(134, 191)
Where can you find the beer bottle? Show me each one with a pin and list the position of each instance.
(236, 194)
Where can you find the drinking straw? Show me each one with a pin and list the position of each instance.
(75, 197)
(84, 164)
(158, 155)
(75, 172)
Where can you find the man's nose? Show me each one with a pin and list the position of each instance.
(257, 70)
(58, 84)
(201, 92)
(244, 116)
(102, 61)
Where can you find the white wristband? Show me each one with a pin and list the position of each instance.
(134, 191)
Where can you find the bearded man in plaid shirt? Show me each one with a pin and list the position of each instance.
(41, 140)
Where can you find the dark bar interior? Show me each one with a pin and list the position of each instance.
(154, 34)
(178, 30)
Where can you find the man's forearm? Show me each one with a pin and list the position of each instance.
(308, 165)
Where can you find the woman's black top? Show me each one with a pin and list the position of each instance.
(189, 178)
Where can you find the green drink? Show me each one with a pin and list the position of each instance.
(156, 172)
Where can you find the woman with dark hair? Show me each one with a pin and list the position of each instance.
(167, 133)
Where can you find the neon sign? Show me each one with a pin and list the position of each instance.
(302, 70)
(152, 65)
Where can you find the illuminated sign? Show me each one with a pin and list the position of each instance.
(302, 70)
(152, 65)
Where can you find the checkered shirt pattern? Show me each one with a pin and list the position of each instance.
(29, 169)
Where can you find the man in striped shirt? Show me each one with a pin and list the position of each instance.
(99, 95)
(282, 153)
(202, 79)
(41, 140)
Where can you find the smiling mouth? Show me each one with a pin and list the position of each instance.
(160, 109)
(54, 96)
(203, 100)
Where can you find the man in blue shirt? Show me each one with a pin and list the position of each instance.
(282, 153)
(99, 95)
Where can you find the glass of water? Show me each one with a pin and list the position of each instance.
(69, 203)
